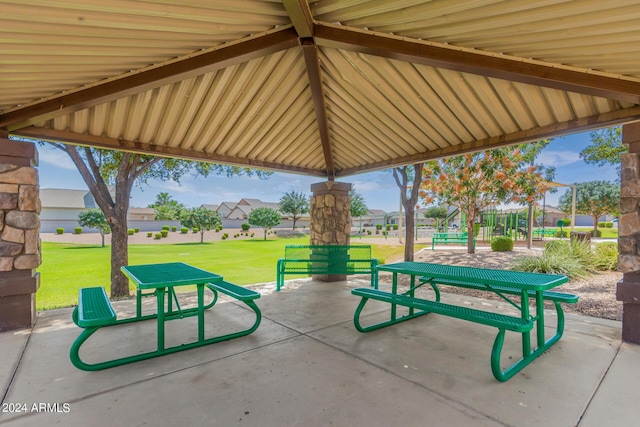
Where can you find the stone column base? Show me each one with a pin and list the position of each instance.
(18, 299)
(628, 291)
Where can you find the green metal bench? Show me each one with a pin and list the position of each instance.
(326, 259)
(446, 238)
(234, 291)
(544, 232)
(94, 309)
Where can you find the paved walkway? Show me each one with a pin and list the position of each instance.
(307, 366)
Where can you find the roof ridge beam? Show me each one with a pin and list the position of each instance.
(150, 78)
(301, 17)
(465, 60)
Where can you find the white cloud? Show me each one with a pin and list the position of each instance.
(558, 158)
(55, 157)
(364, 186)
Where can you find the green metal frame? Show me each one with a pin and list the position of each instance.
(446, 238)
(326, 259)
(245, 295)
(498, 281)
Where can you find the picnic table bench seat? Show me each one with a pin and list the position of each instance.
(446, 238)
(94, 309)
(234, 291)
(326, 259)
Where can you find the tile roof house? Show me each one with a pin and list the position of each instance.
(244, 207)
(225, 208)
(62, 204)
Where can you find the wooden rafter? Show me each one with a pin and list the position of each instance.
(544, 132)
(193, 65)
(300, 15)
(47, 134)
(501, 67)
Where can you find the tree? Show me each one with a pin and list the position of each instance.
(202, 219)
(595, 198)
(606, 147)
(409, 199)
(94, 218)
(358, 206)
(473, 182)
(294, 204)
(265, 218)
(437, 213)
(167, 208)
(106, 170)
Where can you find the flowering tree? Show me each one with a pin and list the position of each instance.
(202, 219)
(474, 182)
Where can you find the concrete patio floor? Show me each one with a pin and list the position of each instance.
(306, 365)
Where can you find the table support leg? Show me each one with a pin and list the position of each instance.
(160, 294)
(540, 315)
(394, 290)
(526, 336)
(200, 312)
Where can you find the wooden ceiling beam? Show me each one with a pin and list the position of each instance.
(301, 17)
(150, 78)
(312, 60)
(580, 125)
(467, 61)
(48, 134)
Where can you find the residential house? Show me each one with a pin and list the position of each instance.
(225, 208)
(60, 208)
(141, 214)
(244, 207)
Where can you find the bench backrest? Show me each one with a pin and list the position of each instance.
(327, 252)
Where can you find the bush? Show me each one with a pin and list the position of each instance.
(369, 232)
(218, 228)
(502, 244)
(596, 233)
(395, 226)
(566, 222)
(164, 233)
(575, 249)
(137, 229)
(166, 227)
(550, 263)
(601, 224)
(564, 233)
(245, 226)
(184, 230)
(252, 234)
(59, 230)
(77, 230)
(158, 236)
(608, 224)
(388, 227)
(174, 228)
(196, 229)
(557, 246)
(149, 234)
(605, 256)
(378, 226)
(130, 231)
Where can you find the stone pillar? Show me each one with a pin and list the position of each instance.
(19, 233)
(628, 289)
(330, 218)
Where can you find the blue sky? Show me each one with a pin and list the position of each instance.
(378, 188)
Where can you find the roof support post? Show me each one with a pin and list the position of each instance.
(628, 289)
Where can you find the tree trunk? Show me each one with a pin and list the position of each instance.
(294, 222)
(201, 236)
(410, 224)
(102, 235)
(471, 219)
(265, 233)
(595, 226)
(119, 256)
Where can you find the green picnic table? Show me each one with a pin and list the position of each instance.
(94, 310)
(504, 283)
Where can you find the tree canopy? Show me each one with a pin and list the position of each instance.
(265, 218)
(202, 219)
(167, 208)
(606, 147)
(94, 218)
(358, 204)
(595, 198)
(437, 213)
(473, 182)
(294, 204)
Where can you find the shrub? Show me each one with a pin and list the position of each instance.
(164, 233)
(369, 232)
(60, 230)
(252, 234)
(566, 222)
(224, 237)
(601, 224)
(158, 236)
(596, 233)
(564, 233)
(166, 227)
(378, 226)
(149, 234)
(550, 263)
(245, 226)
(184, 230)
(196, 229)
(502, 244)
(130, 231)
(174, 228)
(137, 229)
(218, 228)
(388, 227)
(395, 226)
(557, 246)
(605, 256)
(77, 230)
(575, 249)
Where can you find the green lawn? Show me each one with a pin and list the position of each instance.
(67, 267)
